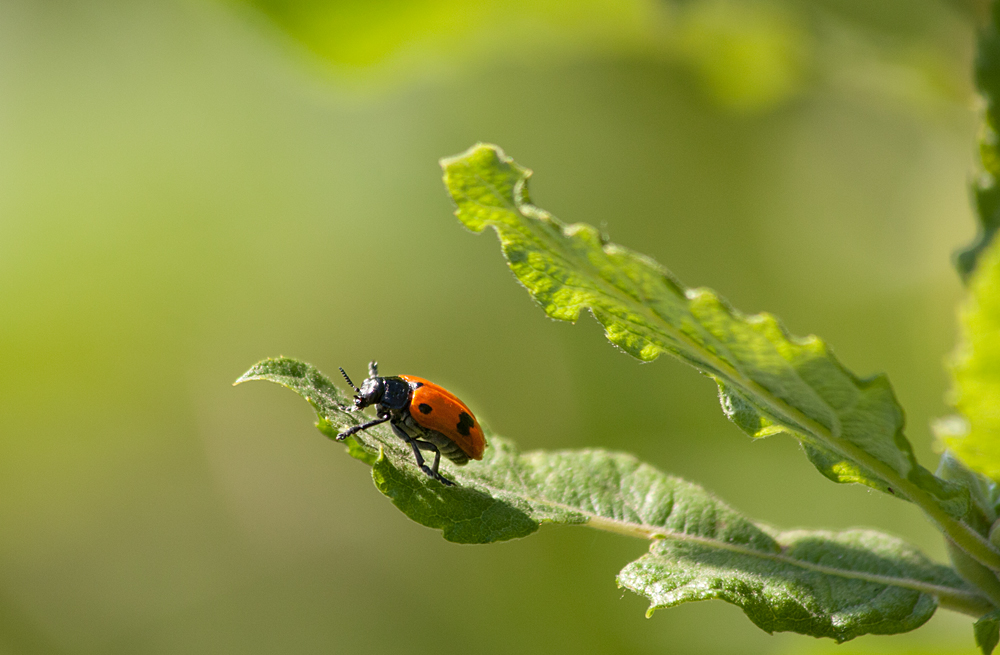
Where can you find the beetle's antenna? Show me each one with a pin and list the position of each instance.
(373, 369)
(351, 384)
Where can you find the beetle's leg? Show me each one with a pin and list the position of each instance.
(358, 428)
(423, 445)
(426, 445)
(420, 458)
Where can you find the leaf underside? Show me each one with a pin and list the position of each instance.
(824, 584)
(769, 381)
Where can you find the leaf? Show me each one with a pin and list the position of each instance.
(983, 492)
(769, 381)
(356, 35)
(981, 516)
(817, 583)
(987, 632)
(464, 513)
(744, 56)
(791, 587)
(976, 372)
(985, 188)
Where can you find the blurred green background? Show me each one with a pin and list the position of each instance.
(187, 187)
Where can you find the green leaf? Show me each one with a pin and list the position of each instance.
(745, 56)
(983, 492)
(976, 370)
(357, 34)
(985, 187)
(769, 381)
(464, 514)
(979, 576)
(981, 517)
(987, 631)
(816, 583)
(824, 584)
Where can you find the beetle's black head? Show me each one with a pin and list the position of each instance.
(372, 389)
(370, 393)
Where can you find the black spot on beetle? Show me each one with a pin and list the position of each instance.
(425, 408)
(464, 423)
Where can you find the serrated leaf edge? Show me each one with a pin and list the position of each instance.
(959, 532)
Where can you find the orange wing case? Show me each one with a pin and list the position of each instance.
(446, 416)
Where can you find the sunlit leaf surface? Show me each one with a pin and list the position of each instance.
(769, 381)
(976, 368)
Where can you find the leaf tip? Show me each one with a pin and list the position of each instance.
(476, 151)
(253, 373)
(265, 368)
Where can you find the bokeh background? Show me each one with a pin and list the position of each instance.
(187, 187)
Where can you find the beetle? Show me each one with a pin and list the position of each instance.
(423, 414)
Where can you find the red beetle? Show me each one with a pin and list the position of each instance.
(422, 414)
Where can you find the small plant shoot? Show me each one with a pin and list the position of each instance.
(479, 487)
